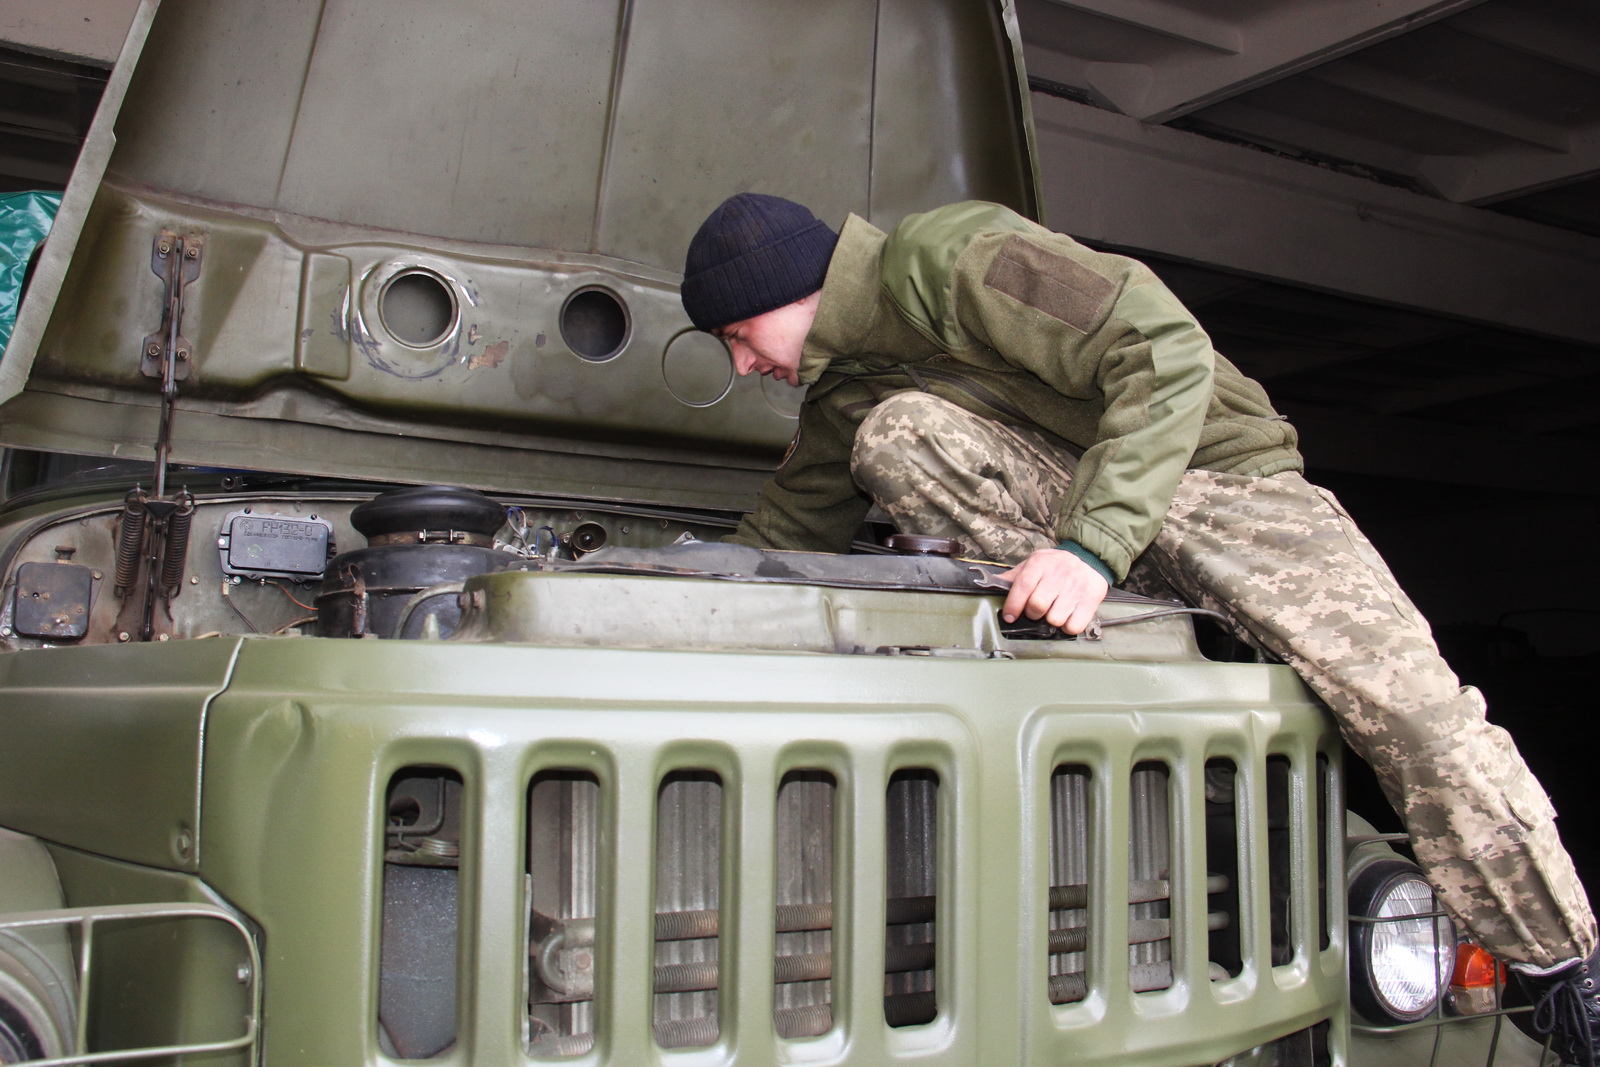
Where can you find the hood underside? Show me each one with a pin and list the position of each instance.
(414, 242)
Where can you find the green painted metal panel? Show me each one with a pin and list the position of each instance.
(517, 153)
(158, 983)
(301, 747)
(101, 746)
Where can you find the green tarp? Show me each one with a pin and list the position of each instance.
(24, 220)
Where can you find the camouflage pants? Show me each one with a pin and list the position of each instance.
(1283, 561)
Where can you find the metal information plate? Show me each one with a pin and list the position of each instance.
(277, 546)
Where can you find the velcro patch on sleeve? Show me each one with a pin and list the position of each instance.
(1059, 287)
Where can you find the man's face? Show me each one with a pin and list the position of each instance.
(771, 343)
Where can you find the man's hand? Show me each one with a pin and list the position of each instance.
(1056, 586)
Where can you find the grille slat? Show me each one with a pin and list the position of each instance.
(689, 821)
(563, 875)
(911, 839)
(1149, 859)
(1069, 890)
(803, 915)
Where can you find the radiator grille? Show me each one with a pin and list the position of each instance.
(760, 870)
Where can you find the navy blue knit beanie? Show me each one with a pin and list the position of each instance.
(752, 254)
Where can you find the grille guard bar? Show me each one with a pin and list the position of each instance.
(86, 919)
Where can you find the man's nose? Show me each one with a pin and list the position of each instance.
(743, 360)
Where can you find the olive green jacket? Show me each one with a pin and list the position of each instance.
(976, 304)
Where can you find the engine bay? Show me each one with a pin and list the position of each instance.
(328, 563)
(261, 555)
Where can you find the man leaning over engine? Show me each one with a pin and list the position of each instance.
(1058, 410)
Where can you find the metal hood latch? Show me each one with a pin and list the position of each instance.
(176, 261)
(153, 534)
(166, 354)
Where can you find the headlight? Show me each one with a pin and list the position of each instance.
(1402, 949)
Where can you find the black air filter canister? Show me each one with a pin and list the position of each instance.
(417, 538)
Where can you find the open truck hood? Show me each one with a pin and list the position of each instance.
(423, 242)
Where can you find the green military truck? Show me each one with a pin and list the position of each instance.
(375, 686)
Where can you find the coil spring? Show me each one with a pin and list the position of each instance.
(176, 556)
(130, 540)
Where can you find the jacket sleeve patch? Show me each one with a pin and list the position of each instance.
(1059, 287)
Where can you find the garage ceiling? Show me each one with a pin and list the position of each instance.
(1473, 102)
(1402, 194)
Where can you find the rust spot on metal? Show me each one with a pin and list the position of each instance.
(492, 356)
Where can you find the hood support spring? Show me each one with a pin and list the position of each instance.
(155, 534)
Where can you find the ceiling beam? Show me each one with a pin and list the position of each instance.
(1491, 177)
(1298, 136)
(1428, 98)
(81, 31)
(1113, 180)
(13, 125)
(1165, 19)
(1524, 29)
(1285, 39)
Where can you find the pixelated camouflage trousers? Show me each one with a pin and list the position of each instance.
(1282, 560)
